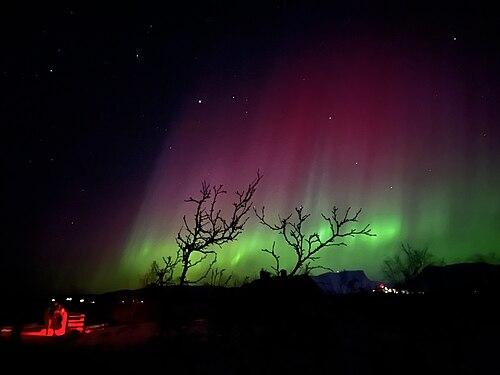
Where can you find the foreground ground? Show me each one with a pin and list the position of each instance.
(270, 334)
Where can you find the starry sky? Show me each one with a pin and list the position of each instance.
(113, 116)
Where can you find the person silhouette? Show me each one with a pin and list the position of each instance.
(48, 315)
(58, 320)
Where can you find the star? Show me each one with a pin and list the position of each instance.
(199, 101)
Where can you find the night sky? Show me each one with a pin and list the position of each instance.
(112, 116)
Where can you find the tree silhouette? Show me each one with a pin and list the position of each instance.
(401, 269)
(210, 228)
(217, 277)
(307, 246)
(162, 276)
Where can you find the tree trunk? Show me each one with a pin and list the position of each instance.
(185, 267)
(296, 268)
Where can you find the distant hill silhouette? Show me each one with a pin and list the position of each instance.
(344, 282)
(459, 277)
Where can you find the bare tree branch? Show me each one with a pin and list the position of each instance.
(307, 269)
(307, 247)
(162, 276)
(276, 258)
(209, 227)
(206, 273)
(216, 277)
(402, 269)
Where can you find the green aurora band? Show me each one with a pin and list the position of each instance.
(402, 138)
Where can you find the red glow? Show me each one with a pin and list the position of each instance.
(62, 322)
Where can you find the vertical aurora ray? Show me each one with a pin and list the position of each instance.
(387, 130)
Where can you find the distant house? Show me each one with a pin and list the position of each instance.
(344, 282)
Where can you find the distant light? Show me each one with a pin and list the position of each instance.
(123, 301)
(69, 299)
(81, 300)
(381, 286)
(53, 300)
(199, 101)
(142, 301)
(92, 302)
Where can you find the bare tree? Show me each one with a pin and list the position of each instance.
(217, 278)
(162, 276)
(276, 258)
(308, 246)
(210, 228)
(401, 269)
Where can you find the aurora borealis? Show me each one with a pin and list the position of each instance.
(370, 129)
(393, 113)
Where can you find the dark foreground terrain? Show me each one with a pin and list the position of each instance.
(273, 328)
